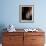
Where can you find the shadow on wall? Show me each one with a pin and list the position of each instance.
(2, 26)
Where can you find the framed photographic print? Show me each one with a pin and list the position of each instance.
(26, 13)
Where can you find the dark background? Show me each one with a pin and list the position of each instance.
(24, 11)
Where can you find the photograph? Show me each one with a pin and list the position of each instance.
(26, 13)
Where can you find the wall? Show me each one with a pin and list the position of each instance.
(9, 13)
